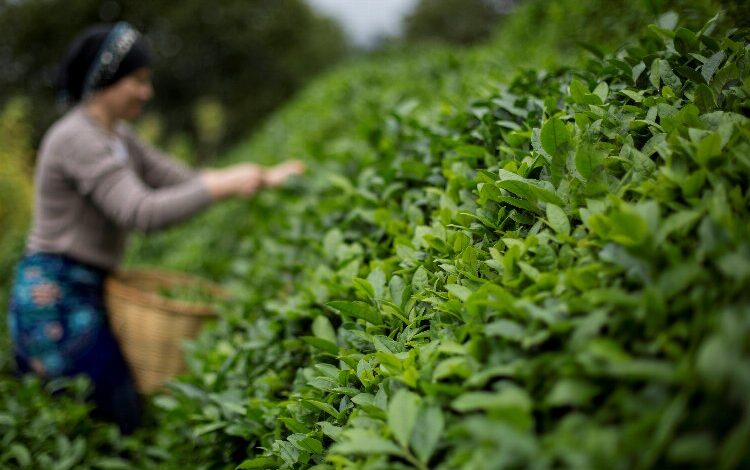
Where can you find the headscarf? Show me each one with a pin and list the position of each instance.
(99, 57)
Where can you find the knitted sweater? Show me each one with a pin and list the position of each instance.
(92, 189)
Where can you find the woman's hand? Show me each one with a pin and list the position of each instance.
(278, 174)
(243, 180)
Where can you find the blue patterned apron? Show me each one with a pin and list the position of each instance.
(58, 325)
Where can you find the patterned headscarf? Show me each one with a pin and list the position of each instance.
(99, 57)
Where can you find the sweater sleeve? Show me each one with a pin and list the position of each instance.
(158, 170)
(115, 188)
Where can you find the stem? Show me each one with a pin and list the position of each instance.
(413, 460)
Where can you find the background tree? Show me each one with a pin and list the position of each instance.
(455, 21)
(246, 55)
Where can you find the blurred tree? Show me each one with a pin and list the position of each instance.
(15, 187)
(246, 55)
(454, 21)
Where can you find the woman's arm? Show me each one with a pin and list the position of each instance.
(242, 180)
(156, 168)
(160, 170)
(124, 198)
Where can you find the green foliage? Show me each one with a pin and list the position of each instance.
(548, 273)
(23, 429)
(15, 189)
(49, 427)
(15, 152)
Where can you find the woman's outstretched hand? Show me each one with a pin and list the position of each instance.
(245, 179)
(278, 174)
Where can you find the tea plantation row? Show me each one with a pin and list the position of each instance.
(553, 275)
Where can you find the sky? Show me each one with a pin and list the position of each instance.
(365, 20)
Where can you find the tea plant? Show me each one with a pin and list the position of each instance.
(556, 276)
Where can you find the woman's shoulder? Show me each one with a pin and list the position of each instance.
(71, 132)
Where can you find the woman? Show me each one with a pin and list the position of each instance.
(96, 181)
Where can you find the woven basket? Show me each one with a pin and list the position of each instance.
(151, 328)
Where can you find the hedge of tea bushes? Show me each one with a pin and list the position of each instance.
(551, 274)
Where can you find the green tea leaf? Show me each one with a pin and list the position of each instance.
(581, 94)
(322, 344)
(712, 65)
(295, 426)
(402, 415)
(398, 290)
(621, 225)
(115, 463)
(554, 136)
(322, 407)
(668, 20)
(364, 442)
(704, 98)
(470, 151)
(637, 71)
(577, 90)
(288, 453)
(376, 278)
(557, 219)
(356, 309)
(668, 76)
(506, 329)
(685, 41)
(364, 287)
(322, 328)
(20, 453)
(452, 367)
(386, 344)
(655, 76)
(209, 428)
(305, 443)
(428, 429)
(459, 291)
(708, 148)
(257, 462)
(508, 398)
(421, 278)
(571, 392)
(602, 92)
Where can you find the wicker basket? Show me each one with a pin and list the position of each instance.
(151, 328)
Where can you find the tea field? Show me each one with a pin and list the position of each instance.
(533, 253)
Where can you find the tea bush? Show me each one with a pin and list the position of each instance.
(550, 273)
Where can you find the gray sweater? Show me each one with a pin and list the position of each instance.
(91, 190)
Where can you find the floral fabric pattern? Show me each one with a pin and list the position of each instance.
(56, 315)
